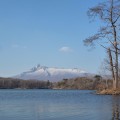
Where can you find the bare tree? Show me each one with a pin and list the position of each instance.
(108, 36)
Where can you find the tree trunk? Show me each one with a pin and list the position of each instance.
(112, 68)
(115, 83)
(116, 69)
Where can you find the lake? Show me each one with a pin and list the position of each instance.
(57, 105)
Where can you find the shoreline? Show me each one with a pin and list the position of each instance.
(108, 92)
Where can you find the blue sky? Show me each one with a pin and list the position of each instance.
(47, 32)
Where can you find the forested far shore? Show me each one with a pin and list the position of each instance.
(11, 83)
(84, 83)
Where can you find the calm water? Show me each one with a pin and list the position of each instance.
(57, 105)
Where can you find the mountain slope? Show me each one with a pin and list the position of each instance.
(52, 74)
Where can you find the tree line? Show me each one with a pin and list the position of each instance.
(10, 83)
(84, 83)
(93, 83)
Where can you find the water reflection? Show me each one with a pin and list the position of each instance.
(116, 108)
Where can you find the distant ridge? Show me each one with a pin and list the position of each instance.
(52, 74)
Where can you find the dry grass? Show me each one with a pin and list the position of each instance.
(109, 92)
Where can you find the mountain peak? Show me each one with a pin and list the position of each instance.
(52, 73)
(38, 67)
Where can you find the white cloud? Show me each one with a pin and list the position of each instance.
(65, 49)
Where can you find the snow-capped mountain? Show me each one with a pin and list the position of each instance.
(51, 73)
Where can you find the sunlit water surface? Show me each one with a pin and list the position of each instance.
(57, 105)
